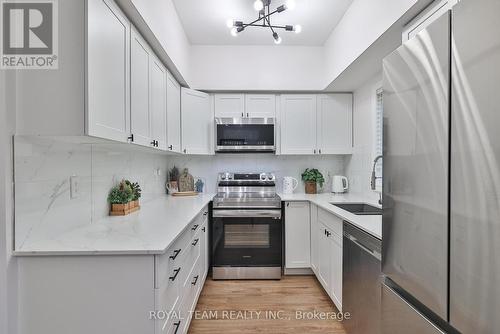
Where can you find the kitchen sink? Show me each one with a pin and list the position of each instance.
(359, 208)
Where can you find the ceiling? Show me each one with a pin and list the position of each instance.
(204, 21)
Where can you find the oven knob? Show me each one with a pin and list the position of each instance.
(263, 177)
(270, 177)
(223, 177)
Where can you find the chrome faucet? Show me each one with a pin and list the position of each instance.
(375, 177)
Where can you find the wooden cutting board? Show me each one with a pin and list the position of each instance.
(185, 193)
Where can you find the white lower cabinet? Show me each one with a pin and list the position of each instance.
(297, 232)
(126, 294)
(329, 271)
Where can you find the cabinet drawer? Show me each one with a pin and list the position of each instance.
(197, 222)
(168, 301)
(189, 292)
(331, 221)
(171, 260)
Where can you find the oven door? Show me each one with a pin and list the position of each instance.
(247, 238)
(244, 135)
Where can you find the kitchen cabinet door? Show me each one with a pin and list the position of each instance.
(298, 124)
(324, 263)
(297, 235)
(314, 238)
(335, 255)
(173, 114)
(197, 122)
(260, 105)
(334, 124)
(158, 95)
(140, 119)
(230, 105)
(108, 71)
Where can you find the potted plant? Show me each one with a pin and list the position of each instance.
(119, 198)
(311, 178)
(136, 193)
(172, 185)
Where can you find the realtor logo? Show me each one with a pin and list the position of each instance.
(29, 34)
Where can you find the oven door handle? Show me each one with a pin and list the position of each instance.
(247, 213)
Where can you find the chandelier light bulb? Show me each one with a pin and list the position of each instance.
(258, 5)
(230, 23)
(234, 32)
(297, 28)
(277, 39)
(290, 4)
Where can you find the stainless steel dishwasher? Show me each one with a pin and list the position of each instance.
(361, 291)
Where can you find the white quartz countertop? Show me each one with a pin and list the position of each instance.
(370, 224)
(151, 230)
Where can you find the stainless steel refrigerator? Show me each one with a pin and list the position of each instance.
(441, 220)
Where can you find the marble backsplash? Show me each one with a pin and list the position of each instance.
(44, 167)
(207, 167)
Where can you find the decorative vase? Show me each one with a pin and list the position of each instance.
(311, 187)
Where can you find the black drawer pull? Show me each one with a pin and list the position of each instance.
(195, 241)
(195, 226)
(177, 325)
(176, 253)
(195, 280)
(203, 229)
(205, 213)
(176, 271)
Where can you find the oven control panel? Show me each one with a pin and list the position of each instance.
(258, 177)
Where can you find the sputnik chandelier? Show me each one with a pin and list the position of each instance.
(264, 20)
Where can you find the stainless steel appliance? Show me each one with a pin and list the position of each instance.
(361, 281)
(237, 135)
(441, 219)
(247, 229)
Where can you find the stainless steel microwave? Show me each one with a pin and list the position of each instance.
(240, 135)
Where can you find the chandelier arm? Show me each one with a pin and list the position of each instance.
(262, 18)
(260, 26)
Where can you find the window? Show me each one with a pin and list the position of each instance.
(379, 132)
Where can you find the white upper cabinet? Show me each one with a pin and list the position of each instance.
(173, 114)
(260, 105)
(108, 71)
(297, 235)
(334, 128)
(158, 95)
(140, 118)
(230, 105)
(298, 124)
(197, 122)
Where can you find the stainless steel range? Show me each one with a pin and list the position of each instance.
(247, 227)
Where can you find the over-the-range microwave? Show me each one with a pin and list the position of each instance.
(244, 135)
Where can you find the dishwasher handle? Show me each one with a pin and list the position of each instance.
(372, 252)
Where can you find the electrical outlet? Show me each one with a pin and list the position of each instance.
(74, 186)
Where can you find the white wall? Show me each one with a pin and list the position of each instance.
(207, 167)
(257, 67)
(359, 166)
(8, 264)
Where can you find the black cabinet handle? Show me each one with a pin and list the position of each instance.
(195, 226)
(205, 213)
(328, 234)
(195, 280)
(153, 143)
(176, 253)
(242, 115)
(177, 325)
(319, 151)
(203, 229)
(195, 241)
(287, 204)
(170, 147)
(176, 271)
(131, 137)
(247, 114)
(185, 151)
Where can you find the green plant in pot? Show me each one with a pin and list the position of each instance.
(311, 178)
(136, 193)
(120, 196)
